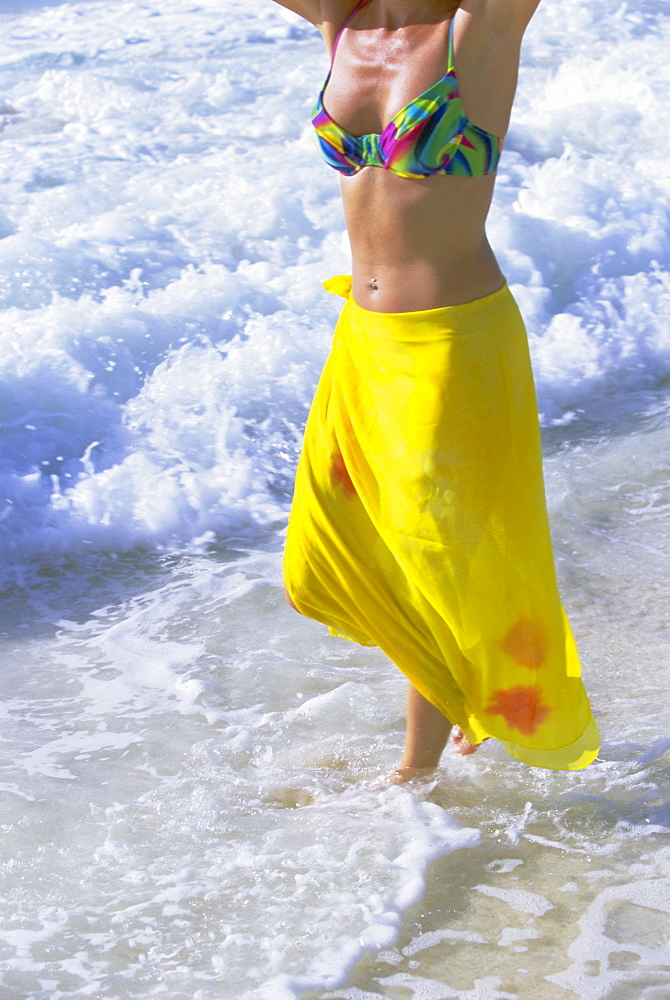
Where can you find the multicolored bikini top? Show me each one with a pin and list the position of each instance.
(430, 135)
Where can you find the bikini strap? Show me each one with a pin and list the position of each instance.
(450, 58)
(356, 9)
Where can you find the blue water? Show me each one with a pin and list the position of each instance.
(192, 803)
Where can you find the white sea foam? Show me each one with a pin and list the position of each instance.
(518, 899)
(242, 822)
(192, 804)
(167, 221)
(624, 938)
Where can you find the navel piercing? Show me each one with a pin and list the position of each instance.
(373, 283)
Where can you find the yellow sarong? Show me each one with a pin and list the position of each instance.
(419, 522)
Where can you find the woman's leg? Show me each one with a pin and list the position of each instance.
(426, 736)
(287, 598)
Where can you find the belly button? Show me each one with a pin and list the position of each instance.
(372, 283)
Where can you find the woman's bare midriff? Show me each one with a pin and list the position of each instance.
(419, 244)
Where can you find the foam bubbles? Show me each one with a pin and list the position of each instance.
(623, 939)
(167, 221)
(518, 899)
(164, 230)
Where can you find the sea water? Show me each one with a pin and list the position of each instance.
(192, 798)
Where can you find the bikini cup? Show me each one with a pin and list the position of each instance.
(430, 135)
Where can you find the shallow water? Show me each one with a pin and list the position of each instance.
(195, 805)
(192, 803)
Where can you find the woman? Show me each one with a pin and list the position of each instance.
(419, 520)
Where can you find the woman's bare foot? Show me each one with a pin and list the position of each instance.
(461, 745)
(404, 774)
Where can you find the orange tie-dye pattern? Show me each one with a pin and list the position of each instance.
(339, 475)
(520, 706)
(526, 643)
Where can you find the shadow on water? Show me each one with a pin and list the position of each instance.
(43, 594)
(611, 415)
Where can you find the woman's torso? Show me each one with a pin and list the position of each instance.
(421, 240)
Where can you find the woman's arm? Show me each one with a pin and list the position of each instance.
(327, 15)
(507, 15)
(309, 9)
